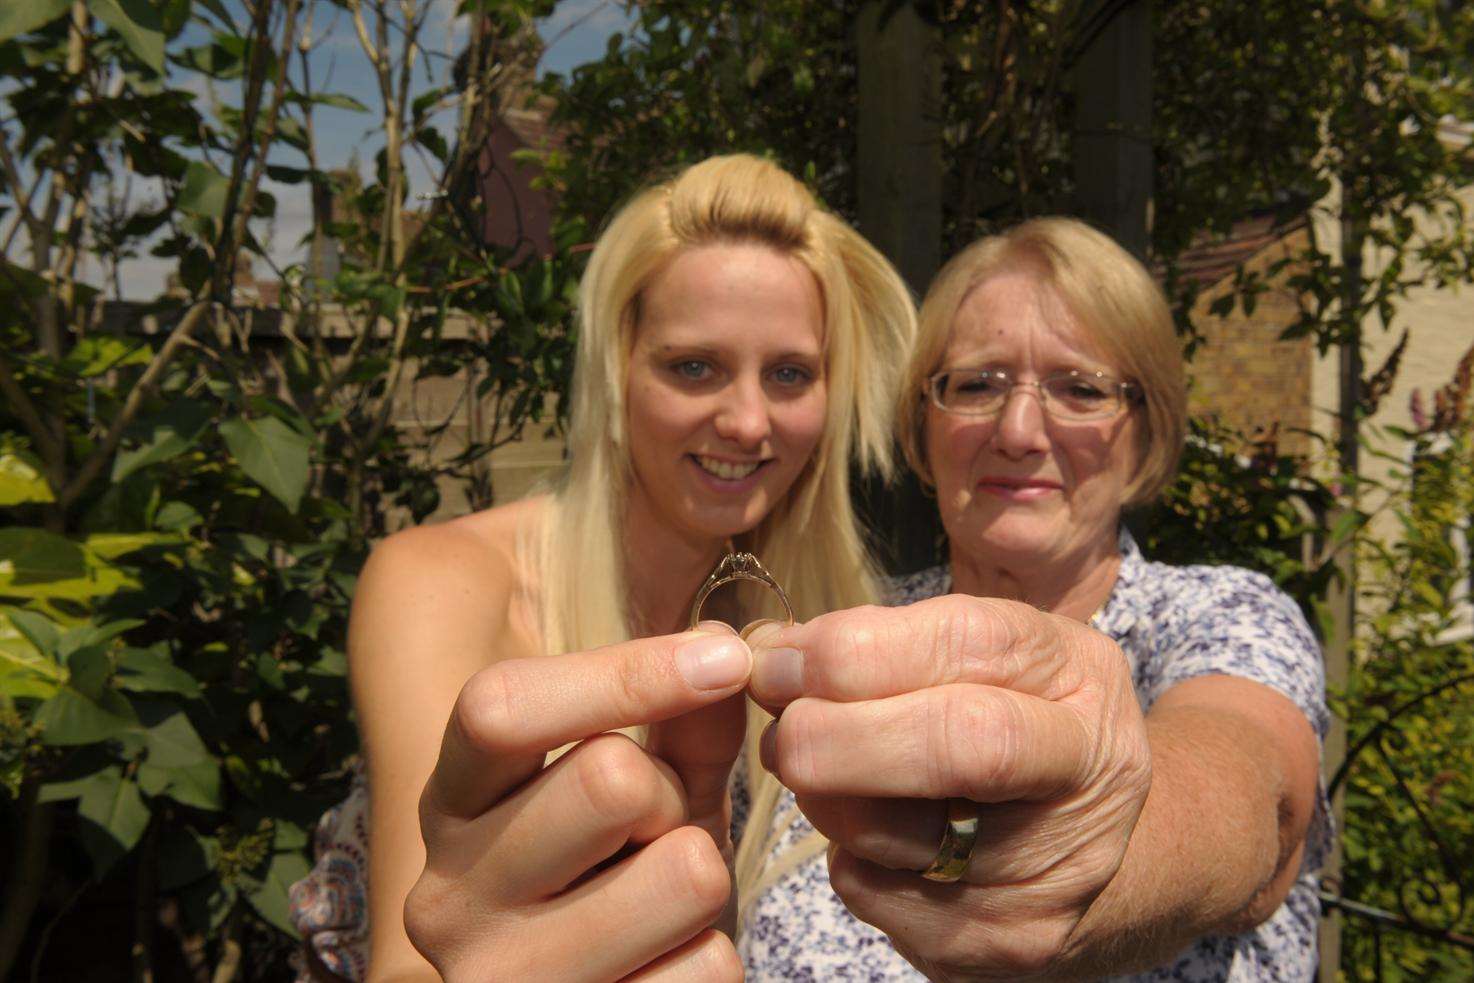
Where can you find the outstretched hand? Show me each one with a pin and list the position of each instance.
(611, 862)
(886, 713)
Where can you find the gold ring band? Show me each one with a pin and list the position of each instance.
(738, 566)
(958, 840)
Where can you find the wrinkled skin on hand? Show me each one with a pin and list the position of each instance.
(885, 713)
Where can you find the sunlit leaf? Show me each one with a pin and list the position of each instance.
(21, 480)
(35, 556)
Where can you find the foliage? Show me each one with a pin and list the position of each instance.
(188, 486)
(1248, 504)
(696, 78)
(1409, 840)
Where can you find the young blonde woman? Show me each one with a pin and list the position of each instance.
(739, 349)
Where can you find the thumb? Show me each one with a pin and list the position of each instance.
(701, 747)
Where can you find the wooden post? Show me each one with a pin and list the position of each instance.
(899, 192)
(899, 171)
(1113, 122)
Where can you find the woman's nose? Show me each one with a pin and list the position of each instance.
(743, 417)
(1021, 424)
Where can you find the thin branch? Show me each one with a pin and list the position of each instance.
(12, 177)
(51, 452)
(103, 452)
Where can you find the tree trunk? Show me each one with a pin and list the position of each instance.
(1113, 123)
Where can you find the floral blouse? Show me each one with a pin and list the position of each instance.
(1172, 623)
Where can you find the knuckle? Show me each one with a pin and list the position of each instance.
(1036, 952)
(800, 736)
(976, 742)
(698, 873)
(423, 915)
(616, 778)
(635, 683)
(485, 714)
(716, 959)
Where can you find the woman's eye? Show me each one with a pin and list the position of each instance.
(691, 368)
(791, 375)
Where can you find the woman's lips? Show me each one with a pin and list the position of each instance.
(728, 484)
(1018, 490)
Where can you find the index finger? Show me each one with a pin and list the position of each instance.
(509, 715)
(872, 653)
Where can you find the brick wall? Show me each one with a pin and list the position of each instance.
(1243, 373)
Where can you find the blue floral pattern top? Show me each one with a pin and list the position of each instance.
(1173, 623)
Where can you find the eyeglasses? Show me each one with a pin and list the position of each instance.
(1072, 395)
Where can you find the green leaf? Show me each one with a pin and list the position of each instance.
(88, 670)
(21, 480)
(26, 670)
(339, 100)
(96, 354)
(173, 742)
(116, 809)
(69, 718)
(203, 192)
(164, 436)
(196, 785)
(24, 16)
(177, 516)
(35, 556)
(140, 24)
(147, 671)
(111, 545)
(271, 899)
(272, 454)
(38, 629)
(41, 565)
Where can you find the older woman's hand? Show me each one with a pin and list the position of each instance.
(611, 862)
(885, 713)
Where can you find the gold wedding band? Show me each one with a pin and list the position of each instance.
(958, 840)
(738, 566)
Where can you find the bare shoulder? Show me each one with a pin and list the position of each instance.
(462, 577)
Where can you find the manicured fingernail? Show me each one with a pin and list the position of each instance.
(778, 675)
(767, 748)
(716, 661)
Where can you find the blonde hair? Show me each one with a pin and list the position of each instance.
(810, 540)
(1117, 303)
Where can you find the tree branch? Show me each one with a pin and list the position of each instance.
(103, 452)
(51, 452)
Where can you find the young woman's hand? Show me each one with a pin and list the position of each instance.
(612, 862)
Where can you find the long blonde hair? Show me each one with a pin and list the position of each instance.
(811, 540)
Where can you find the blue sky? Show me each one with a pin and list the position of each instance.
(576, 33)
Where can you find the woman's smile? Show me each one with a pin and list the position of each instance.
(726, 474)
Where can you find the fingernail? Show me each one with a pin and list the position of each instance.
(761, 631)
(778, 675)
(716, 661)
(720, 627)
(767, 748)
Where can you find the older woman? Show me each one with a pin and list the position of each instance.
(1077, 763)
